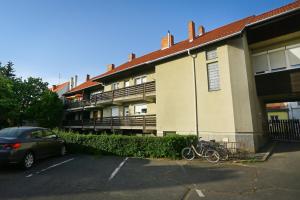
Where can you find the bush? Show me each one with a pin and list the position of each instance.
(122, 145)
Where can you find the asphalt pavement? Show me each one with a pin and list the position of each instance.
(80, 177)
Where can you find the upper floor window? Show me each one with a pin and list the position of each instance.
(293, 53)
(213, 76)
(260, 62)
(115, 86)
(140, 80)
(126, 83)
(212, 54)
(282, 58)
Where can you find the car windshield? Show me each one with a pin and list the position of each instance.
(11, 132)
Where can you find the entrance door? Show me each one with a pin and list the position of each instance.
(126, 111)
(115, 111)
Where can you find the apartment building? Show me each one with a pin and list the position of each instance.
(214, 84)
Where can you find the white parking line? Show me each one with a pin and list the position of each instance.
(50, 167)
(29, 175)
(117, 169)
(55, 165)
(200, 193)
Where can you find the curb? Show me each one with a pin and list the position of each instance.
(258, 157)
(269, 152)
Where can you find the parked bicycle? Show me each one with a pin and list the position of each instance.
(221, 149)
(203, 149)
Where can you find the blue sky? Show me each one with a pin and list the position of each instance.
(45, 38)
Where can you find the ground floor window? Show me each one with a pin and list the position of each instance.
(115, 111)
(140, 109)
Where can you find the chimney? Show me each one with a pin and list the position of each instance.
(191, 29)
(110, 67)
(76, 80)
(72, 83)
(167, 41)
(131, 56)
(87, 77)
(54, 87)
(201, 30)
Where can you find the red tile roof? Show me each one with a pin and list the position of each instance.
(215, 35)
(82, 86)
(59, 87)
(209, 37)
(284, 9)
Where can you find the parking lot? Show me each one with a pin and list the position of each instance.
(107, 177)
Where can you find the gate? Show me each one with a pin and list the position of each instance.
(284, 130)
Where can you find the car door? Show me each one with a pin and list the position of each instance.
(43, 145)
(54, 146)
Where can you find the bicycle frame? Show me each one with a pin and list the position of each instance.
(201, 153)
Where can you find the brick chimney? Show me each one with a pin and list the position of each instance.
(201, 30)
(72, 83)
(167, 41)
(131, 56)
(87, 77)
(75, 81)
(191, 29)
(110, 67)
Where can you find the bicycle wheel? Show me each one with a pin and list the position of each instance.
(224, 153)
(212, 156)
(188, 153)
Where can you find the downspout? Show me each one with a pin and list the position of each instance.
(194, 56)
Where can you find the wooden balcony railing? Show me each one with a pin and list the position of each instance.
(142, 121)
(124, 92)
(143, 89)
(78, 104)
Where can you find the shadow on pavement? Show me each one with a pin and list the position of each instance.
(87, 175)
(284, 147)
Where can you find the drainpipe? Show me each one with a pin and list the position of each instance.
(194, 56)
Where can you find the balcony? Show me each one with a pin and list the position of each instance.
(145, 91)
(77, 105)
(137, 122)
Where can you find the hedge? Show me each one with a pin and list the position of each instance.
(122, 145)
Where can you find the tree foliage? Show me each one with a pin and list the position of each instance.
(26, 100)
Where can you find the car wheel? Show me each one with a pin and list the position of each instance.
(63, 150)
(28, 160)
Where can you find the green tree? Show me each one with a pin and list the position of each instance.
(7, 102)
(27, 93)
(28, 99)
(7, 70)
(48, 110)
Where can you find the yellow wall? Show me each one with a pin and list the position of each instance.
(282, 115)
(233, 113)
(174, 96)
(176, 99)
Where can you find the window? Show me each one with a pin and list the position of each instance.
(126, 84)
(277, 59)
(293, 54)
(140, 80)
(212, 54)
(42, 134)
(260, 63)
(213, 76)
(115, 86)
(115, 111)
(140, 109)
